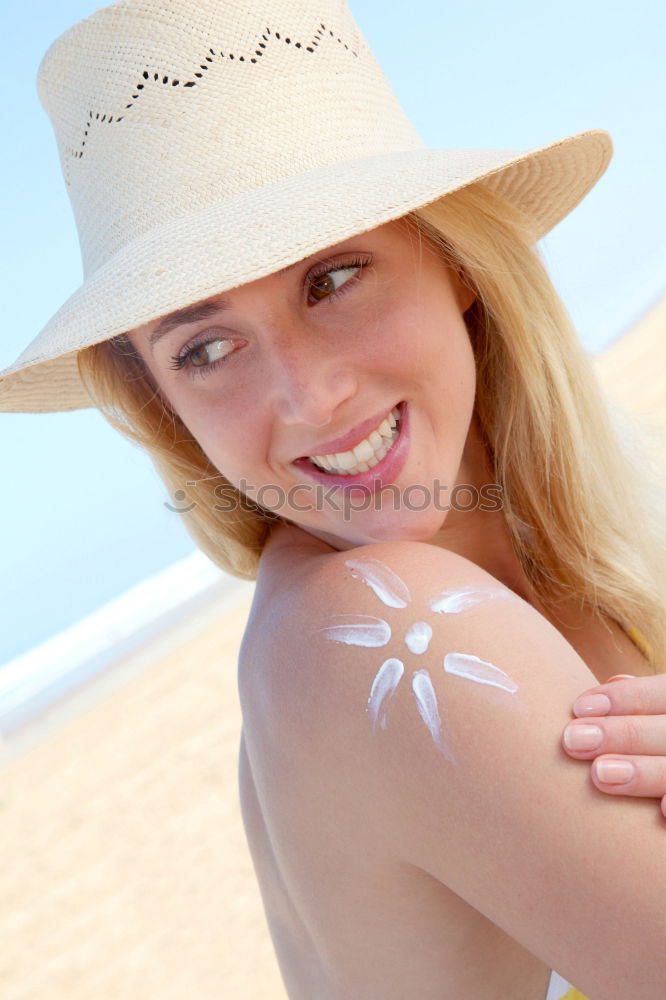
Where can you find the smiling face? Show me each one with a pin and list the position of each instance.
(327, 390)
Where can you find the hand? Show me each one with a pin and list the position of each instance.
(621, 727)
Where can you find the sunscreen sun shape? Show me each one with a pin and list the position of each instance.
(472, 668)
(387, 585)
(383, 689)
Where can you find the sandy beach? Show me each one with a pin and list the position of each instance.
(125, 872)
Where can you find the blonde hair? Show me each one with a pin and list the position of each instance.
(570, 495)
(228, 527)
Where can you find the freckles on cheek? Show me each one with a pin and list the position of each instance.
(236, 445)
(386, 332)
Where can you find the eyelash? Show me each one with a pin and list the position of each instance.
(327, 266)
(179, 361)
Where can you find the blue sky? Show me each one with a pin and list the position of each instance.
(83, 515)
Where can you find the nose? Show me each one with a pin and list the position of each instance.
(309, 381)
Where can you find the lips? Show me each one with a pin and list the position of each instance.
(366, 453)
(388, 455)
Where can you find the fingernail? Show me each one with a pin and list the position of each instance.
(614, 772)
(592, 704)
(621, 677)
(582, 737)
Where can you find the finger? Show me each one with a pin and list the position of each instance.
(643, 777)
(627, 734)
(636, 696)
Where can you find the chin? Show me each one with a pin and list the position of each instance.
(421, 526)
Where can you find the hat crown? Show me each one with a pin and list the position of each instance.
(163, 107)
(206, 145)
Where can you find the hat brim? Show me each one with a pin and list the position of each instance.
(232, 242)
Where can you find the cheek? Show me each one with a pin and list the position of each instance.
(457, 387)
(440, 349)
(466, 366)
(387, 336)
(228, 442)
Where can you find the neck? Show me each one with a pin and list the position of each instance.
(482, 535)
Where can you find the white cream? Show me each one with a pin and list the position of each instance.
(369, 631)
(452, 602)
(417, 637)
(359, 630)
(383, 688)
(426, 702)
(386, 584)
(474, 669)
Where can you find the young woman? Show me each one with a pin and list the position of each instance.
(346, 348)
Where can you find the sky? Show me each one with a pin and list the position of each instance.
(83, 516)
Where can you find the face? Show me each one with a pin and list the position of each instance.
(337, 393)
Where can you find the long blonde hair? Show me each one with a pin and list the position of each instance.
(570, 495)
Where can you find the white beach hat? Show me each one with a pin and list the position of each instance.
(207, 143)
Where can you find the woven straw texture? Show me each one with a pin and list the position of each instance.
(208, 144)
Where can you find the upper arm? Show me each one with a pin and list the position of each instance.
(468, 778)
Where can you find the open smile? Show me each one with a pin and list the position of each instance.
(378, 454)
(367, 453)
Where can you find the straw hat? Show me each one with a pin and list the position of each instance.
(207, 143)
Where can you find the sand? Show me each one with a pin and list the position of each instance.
(125, 872)
(633, 369)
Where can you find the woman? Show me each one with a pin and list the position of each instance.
(345, 345)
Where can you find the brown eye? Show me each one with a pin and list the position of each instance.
(206, 354)
(199, 357)
(323, 286)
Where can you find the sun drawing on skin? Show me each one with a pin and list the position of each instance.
(372, 632)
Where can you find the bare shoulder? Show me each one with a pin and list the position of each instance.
(323, 618)
(366, 640)
(406, 670)
(330, 619)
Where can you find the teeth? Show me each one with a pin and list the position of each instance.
(367, 453)
(345, 460)
(364, 451)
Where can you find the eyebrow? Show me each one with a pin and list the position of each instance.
(196, 313)
(191, 314)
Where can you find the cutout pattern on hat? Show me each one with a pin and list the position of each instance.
(148, 77)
